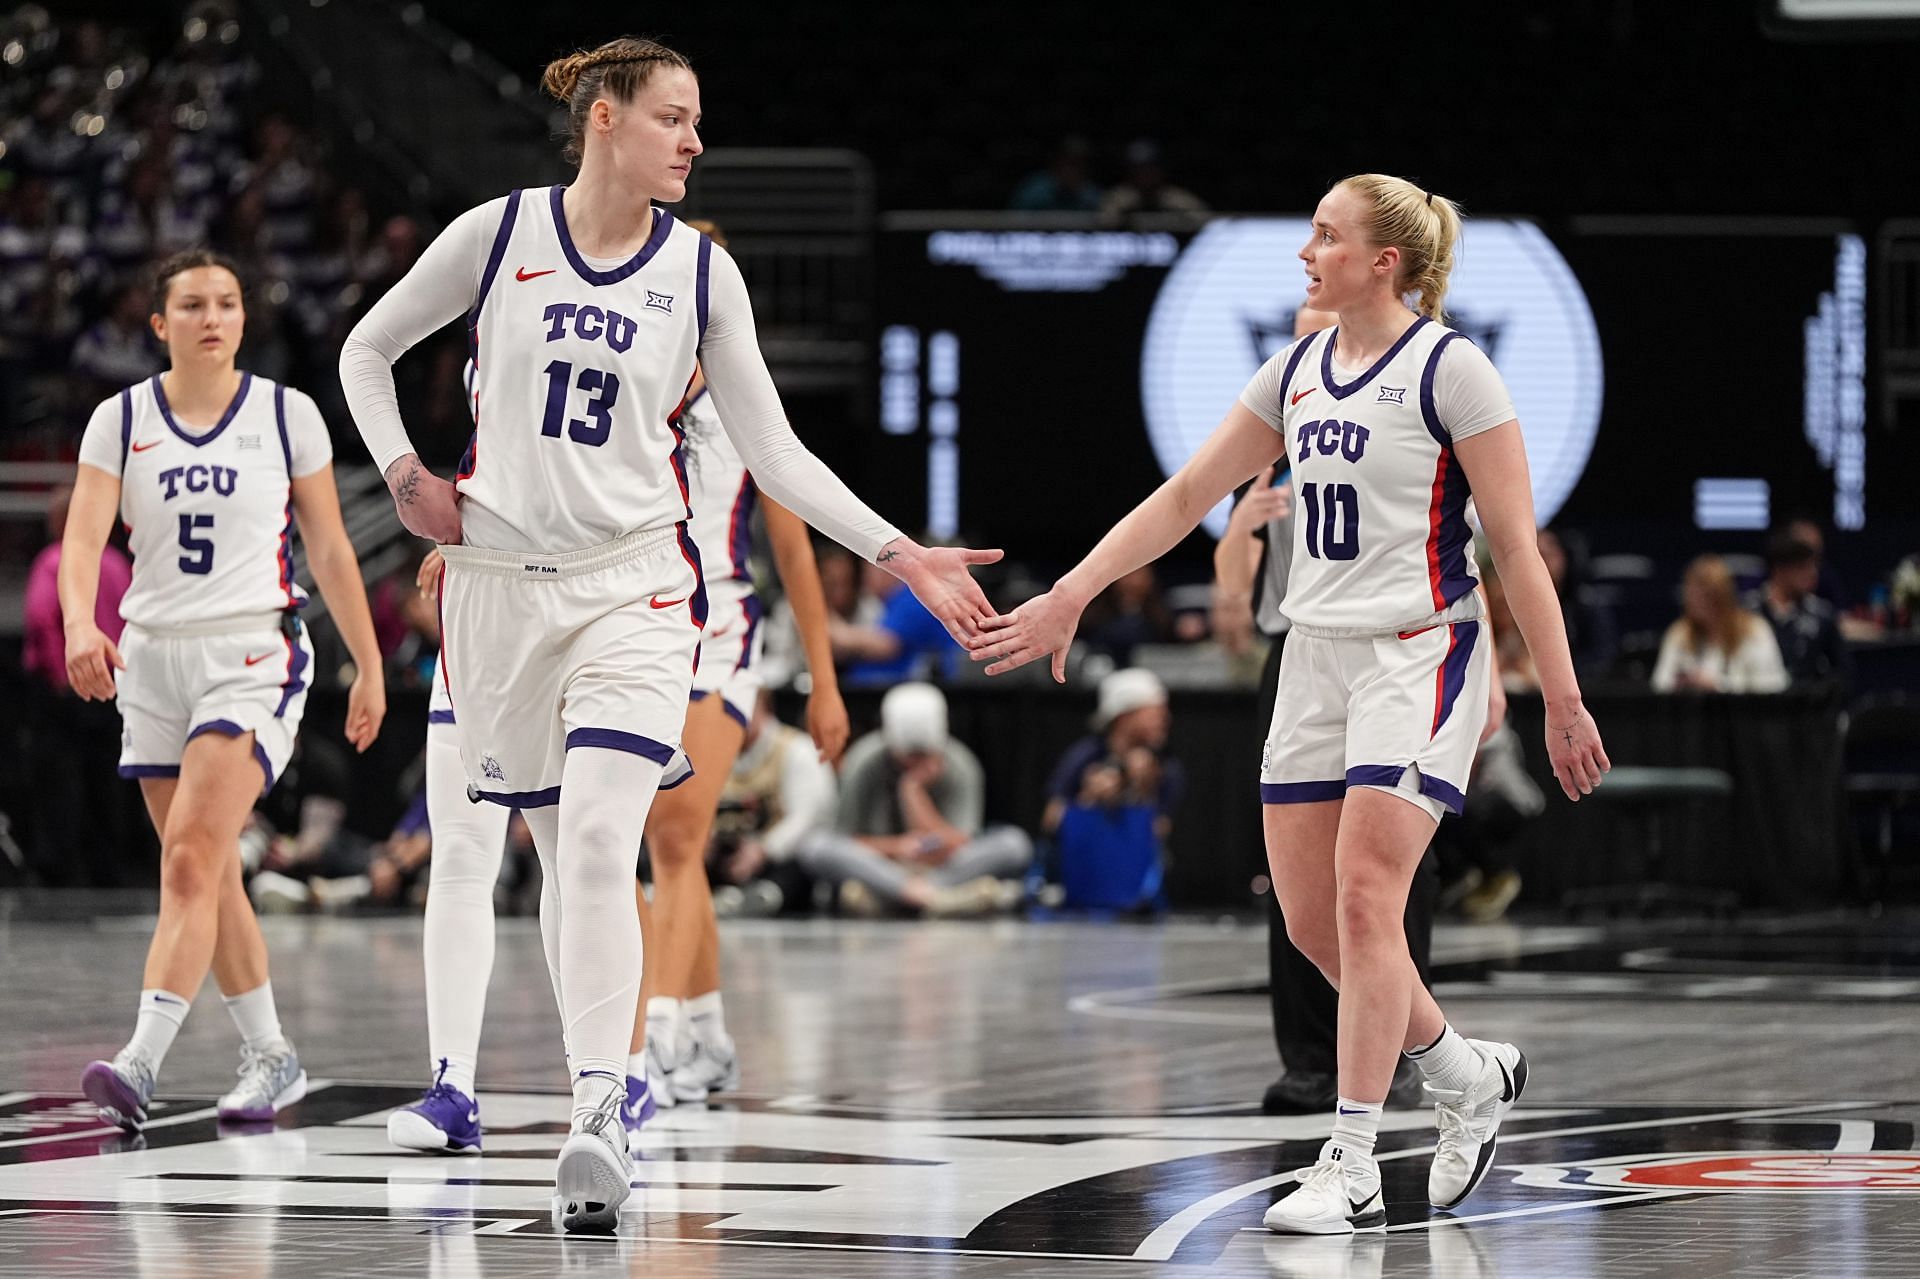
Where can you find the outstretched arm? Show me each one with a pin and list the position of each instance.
(1238, 448)
(786, 471)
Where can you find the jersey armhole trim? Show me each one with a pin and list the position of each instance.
(1429, 407)
(1293, 363)
(700, 287)
(126, 426)
(494, 257)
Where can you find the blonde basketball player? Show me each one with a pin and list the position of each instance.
(573, 600)
(1390, 421)
(209, 467)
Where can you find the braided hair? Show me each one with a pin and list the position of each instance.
(617, 69)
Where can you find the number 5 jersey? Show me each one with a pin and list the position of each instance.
(1381, 541)
(208, 509)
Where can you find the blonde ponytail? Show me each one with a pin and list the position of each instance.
(1425, 227)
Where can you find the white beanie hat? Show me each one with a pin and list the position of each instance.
(1127, 690)
(913, 717)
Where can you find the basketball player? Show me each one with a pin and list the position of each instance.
(572, 598)
(208, 466)
(1388, 420)
(681, 1049)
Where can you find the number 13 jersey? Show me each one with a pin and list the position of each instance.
(1380, 534)
(579, 364)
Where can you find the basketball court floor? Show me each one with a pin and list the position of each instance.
(1003, 1099)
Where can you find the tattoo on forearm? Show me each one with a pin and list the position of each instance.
(409, 486)
(887, 557)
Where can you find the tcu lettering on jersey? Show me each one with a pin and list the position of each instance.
(1380, 535)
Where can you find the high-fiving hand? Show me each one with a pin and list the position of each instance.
(940, 578)
(1043, 625)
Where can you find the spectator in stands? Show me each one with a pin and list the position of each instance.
(119, 350)
(1111, 800)
(1806, 529)
(780, 791)
(1127, 614)
(1717, 646)
(908, 836)
(1064, 186)
(77, 836)
(1145, 188)
(1804, 625)
(904, 642)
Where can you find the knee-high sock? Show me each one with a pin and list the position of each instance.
(544, 825)
(604, 797)
(468, 840)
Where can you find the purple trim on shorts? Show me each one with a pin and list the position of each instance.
(1452, 796)
(1339, 392)
(166, 411)
(439, 717)
(1301, 792)
(679, 781)
(738, 716)
(662, 224)
(1453, 670)
(296, 668)
(614, 740)
(519, 799)
(1387, 775)
(232, 729)
(149, 770)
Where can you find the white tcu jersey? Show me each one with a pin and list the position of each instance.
(1380, 533)
(723, 495)
(578, 367)
(209, 514)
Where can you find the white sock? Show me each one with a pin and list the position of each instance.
(590, 1088)
(663, 1020)
(1449, 1062)
(256, 1017)
(708, 1019)
(161, 1012)
(468, 841)
(458, 1071)
(1355, 1125)
(637, 1064)
(604, 798)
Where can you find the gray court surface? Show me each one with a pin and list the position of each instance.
(1001, 1099)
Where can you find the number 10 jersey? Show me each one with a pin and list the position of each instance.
(579, 363)
(1381, 540)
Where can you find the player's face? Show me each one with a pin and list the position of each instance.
(1342, 267)
(204, 317)
(656, 135)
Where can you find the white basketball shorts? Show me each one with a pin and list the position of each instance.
(543, 654)
(730, 651)
(1399, 712)
(181, 683)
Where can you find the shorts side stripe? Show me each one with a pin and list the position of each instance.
(232, 729)
(614, 740)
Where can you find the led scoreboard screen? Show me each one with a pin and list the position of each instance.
(1035, 383)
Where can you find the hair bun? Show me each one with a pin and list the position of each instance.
(563, 74)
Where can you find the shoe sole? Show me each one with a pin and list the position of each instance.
(410, 1130)
(264, 1114)
(661, 1086)
(1375, 1220)
(1484, 1164)
(589, 1187)
(118, 1104)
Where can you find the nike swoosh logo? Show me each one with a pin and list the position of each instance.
(1303, 395)
(263, 657)
(1345, 1111)
(142, 448)
(1356, 1208)
(169, 999)
(657, 602)
(473, 1116)
(523, 275)
(1506, 1082)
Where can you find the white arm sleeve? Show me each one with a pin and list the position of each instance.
(749, 407)
(441, 285)
(307, 436)
(100, 446)
(1262, 394)
(806, 798)
(1468, 392)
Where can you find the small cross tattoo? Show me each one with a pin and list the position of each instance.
(1567, 733)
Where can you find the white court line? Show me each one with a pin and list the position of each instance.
(9, 1098)
(1171, 1233)
(168, 1122)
